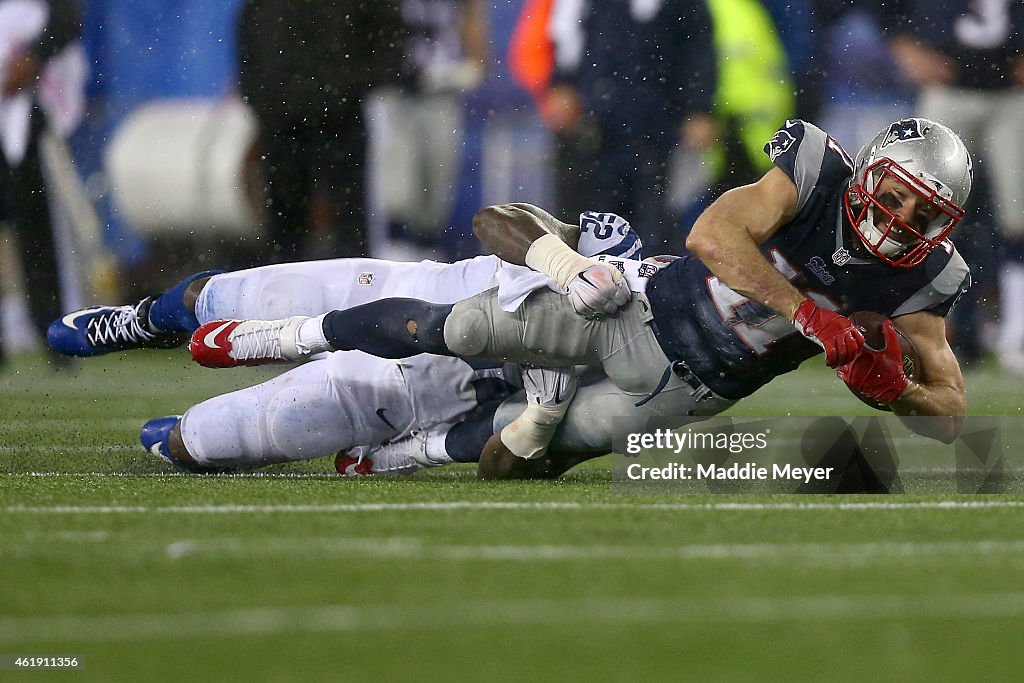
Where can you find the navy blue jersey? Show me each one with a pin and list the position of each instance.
(735, 345)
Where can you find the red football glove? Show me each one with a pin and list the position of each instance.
(833, 332)
(877, 374)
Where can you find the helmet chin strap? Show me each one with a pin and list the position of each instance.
(871, 234)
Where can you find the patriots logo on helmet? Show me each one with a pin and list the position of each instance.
(779, 143)
(904, 129)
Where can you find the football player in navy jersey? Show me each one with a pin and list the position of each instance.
(771, 271)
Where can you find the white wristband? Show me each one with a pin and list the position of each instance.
(556, 259)
(529, 434)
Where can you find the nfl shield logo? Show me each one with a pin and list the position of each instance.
(366, 279)
(841, 256)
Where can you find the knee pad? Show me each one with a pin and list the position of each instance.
(467, 331)
(298, 429)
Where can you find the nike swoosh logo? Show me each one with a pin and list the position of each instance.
(210, 340)
(70, 318)
(155, 450)
(380, 414)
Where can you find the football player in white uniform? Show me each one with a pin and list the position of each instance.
(347, 401)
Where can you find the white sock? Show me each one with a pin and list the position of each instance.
(309, 338)
(435, 449)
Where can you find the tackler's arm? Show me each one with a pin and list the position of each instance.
(549, 392)
(526, 235)
(509, 230)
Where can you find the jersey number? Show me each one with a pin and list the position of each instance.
(601, 224)
(986, 24)
(736, 310)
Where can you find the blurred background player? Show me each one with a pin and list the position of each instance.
(755, 92)
(967, 60)
(420, 124)
(623, 95)
(306, 68)
(42, 71)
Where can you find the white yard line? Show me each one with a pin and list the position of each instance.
(37, 424)
(837, 505)
(418, 548)
(31, 450)
(829, 554)
(449, 617)
(165, 475)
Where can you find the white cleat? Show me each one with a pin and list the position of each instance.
(349, 464)
(398, 458)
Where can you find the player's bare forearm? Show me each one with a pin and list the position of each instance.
(935, 408)
(931, 400)
(727, 235)
(508, 230)
(940, 393)
(498, 462)
(734, 257)
(935, 411)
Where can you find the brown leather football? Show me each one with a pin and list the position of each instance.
(870, 325)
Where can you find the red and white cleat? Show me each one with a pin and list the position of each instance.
(390, 460)
(400, 458)
(351, 466)
(233, 343)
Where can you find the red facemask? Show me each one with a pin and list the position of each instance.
(889, 241)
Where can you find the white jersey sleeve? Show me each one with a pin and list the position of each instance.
(600, 234)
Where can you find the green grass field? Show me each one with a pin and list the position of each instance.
(296, 574)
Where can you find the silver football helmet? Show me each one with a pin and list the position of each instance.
(933, 163)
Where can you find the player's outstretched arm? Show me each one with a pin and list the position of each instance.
(526, 235)
(498, 462)
(935, 403)
(727, 235)
(726, 239)
(509, 230)
(549, 393)
(940, 390)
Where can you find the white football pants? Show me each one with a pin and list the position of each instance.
(342, 399)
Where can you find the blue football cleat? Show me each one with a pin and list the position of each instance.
(97, 330)
(154, 437)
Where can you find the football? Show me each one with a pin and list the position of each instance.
(870, 325)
